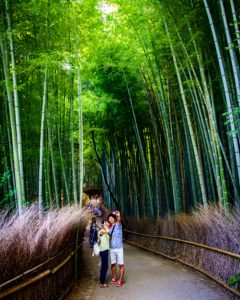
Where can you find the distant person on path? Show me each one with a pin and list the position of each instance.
(93, 235)
(116, 247)
(104, 239)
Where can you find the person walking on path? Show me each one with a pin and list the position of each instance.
(93, 234)
(116, 247)
(104, 238)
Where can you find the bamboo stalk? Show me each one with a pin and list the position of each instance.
(17, 173)
(10, 145)
(235, 22)
(74, 181)
(63, 166)
(52, 162)
(6, 167)
(24, 284)
(80, 120)
(233, 58)
(226, 89)
(41, 152)
(162, 105)
(58, 267)
(143, 159)
(220, 178)
(16, 102)
(202, 119)
(191, 131)
(36, 278)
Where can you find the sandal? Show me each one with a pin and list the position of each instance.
(103, 285)
(113, 281)
(119, 284)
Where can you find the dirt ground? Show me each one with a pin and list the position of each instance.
(147, 276)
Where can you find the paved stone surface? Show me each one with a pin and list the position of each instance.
(147, 276)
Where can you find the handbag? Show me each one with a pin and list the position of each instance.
(96, 249)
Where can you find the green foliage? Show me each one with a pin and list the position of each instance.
(7, 196)
(130, 39)
(4, 178)
(236, 113)
(234, 279)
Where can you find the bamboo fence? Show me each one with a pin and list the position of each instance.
(47, 281)
(50, 280)
(189, 253)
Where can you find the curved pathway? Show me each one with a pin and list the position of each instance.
(147, 277)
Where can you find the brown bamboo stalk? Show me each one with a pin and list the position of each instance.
(34, 269)
(20, 286)
(58, 267)
(38, 277)
(54, 270)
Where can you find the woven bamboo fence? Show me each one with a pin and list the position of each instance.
(215, 263)
(47, 281)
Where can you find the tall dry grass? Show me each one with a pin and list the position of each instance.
(209, 226)
(31, 239)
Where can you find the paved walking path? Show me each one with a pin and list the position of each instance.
(148, 277)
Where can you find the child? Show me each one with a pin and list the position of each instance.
(104, 238)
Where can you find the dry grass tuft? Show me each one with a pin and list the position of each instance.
(31, 239)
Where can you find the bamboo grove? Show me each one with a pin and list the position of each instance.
(41, 105)
(142, 97)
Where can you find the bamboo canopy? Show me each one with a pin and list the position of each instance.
(159, 90)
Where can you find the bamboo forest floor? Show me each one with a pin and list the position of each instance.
(147, 276)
